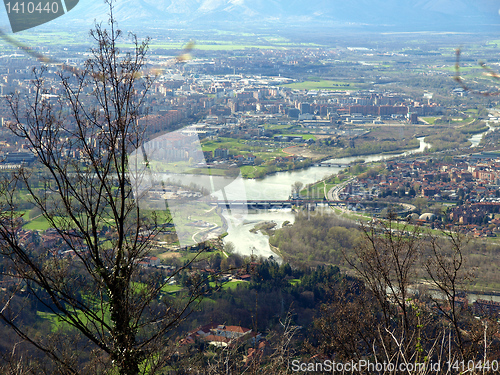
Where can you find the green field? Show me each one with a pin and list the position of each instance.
(430, 120)
(233, 284)
(472, 111)
(248, 171)
(57, 323)
(62, 38)
(323, 85)
(236, 146)
(59, 38)
(211, 46)
(54, 321)
(230, 284)
(277, 127)
(171, 289)
(452, 68)
(305, 136)
(40, 223)
(229, 143)
(451, 121)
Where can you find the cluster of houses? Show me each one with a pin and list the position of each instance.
(486, 308)
(480, 307)
(222, 335)
(475, 213)
(469, 186)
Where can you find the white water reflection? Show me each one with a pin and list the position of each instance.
(172, 168)
(247, 243)
(475, 140)
(377, 157)
(163, 170)
(278, 186)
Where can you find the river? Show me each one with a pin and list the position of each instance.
(476, 139)
(471, 296)
(278, 186)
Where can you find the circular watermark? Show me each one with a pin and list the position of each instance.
(24, 15)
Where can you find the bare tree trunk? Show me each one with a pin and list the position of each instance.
(386, 263)
(96, 293)
(446, 270)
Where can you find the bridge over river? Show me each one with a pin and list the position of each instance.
(279, 204)
(272, 203)
(329, 164)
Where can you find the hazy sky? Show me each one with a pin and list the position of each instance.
(413, 15)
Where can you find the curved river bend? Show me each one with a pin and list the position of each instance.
(278, 186)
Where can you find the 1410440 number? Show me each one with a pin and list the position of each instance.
(20, 7)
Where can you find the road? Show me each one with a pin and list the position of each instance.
(333, 193)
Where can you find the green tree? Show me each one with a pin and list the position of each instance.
(420, 203)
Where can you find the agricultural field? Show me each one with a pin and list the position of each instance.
(323, 85)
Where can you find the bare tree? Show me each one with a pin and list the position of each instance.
(386, 264)
(347, 325)
(446, 269)
(296, 188)
(99, 291)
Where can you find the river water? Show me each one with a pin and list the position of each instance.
(278, 186)
(476, 139)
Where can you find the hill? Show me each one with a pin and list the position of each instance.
(368, 15)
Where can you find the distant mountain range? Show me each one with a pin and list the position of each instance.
(389, 15)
